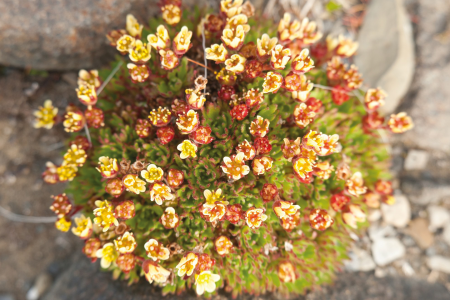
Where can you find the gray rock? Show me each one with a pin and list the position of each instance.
(398, 214)
(446, 234)
(439, 263)
(418, 229)
(438, 216)
(424, 193)
(387, 250)
(64, 34)
(386, 53)
(379, 232)
(6, 297)
(416, 160)
(43, 282)
(360, 260)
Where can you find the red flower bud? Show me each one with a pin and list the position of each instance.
(262, 145)
(320, 219)
(115, 187)
(175, 178)
(268, 192)
(339, 95)
(226, 92)
(125, 210)
(239, 112)
(234, 213)
(165, 134)
(142, 128)
(338, 201)
(94, 117)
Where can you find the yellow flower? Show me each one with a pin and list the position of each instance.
(187, 264)
(302, 94)
(108, 167)
(254, 217)
(226, 77)
(152, 174)
(265, 45)
(215, 211)
(108, 255)
(355, 185)
(374, 98)
(353, 214)
(75, 156)
(346, 47)
(138, 73)
(248, 150)
(125, 43)
(286, 272)
(302, 63)
(188, 122)
(156, 250)
(237, 20)
(63, 224)
(280, 57)
(195, 98)
(217, 52)
(302, 166)
(134, 184)
(399, 123)
(231, 8)
(352, 77)
(235, 166)
(160, 192)
(233, 39)
(171, 14)
(182, 41)
(161, 39)
(212, 197)
(223, 245)
(125, 243)
(155, 273)
(140, 52)
(89, 78)
(236, 63)
(133, 26)
(104, 215)
(287, 30)
(160, 117)
(314, 140)
(169, 60)
(45, 116)
(187, 149)
(74, 121)
(310, 35)
(84, 227)
(272, 82)
(285, 209)
(87, 94)
(66, 172)
(206, 281)
(262, 165)
(259, 126)
(323, 169)
(170, 219)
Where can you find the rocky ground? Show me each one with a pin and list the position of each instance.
(405, 254)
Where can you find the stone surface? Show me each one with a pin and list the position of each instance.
(63, 34)
(387, 250)
(439, 263)
(386, 53)
(360, 260)
(43, 282)
(416, 160)
(348, 286)
(418, 229)
(398, 214)
(430, 109)
(438, 216)
(378, 232)
(446, 234)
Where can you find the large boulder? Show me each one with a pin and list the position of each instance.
(63, 34)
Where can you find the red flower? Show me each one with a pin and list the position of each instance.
(226, 92)
(338, 201)
(239, 112)
(262, 145)
(165, 134)
(268, 192)
(202, 135)
(339, 95)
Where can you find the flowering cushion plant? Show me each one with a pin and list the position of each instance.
(251, 177)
